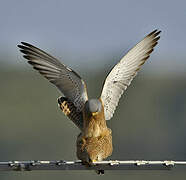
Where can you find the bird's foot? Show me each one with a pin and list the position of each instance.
(93, 163)
(100, 172)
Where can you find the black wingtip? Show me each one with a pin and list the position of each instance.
(26, 44)
(27, 57)
(150, 34)
(23, 51)
(156, 32)
(22, 42)
(20, 46)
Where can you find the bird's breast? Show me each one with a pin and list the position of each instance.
(94, 126)
(92, 130)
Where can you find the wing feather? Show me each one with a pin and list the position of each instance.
(71, 112)
(65, 79)
(123, 73)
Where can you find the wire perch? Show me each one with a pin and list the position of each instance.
(77, 165)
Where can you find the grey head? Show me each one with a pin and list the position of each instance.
(93, 106)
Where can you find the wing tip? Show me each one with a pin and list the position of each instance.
(19, 46)
(23, 46)
(154, 33)
(152, 38)
(26, 44)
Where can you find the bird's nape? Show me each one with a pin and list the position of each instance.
(93, 106)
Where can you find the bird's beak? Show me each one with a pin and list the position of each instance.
(94, 113)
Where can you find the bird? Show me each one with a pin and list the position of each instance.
(94, 143)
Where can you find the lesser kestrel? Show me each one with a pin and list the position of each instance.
(94, 143)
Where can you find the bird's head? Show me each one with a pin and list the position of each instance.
(93, 106)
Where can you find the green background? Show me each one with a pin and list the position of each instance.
(148, 124)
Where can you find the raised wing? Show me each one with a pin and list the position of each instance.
(68, 82)
(123, 73)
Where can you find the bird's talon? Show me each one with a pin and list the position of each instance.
(100, 172)
(94, 161)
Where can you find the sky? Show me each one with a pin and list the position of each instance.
(94, 34)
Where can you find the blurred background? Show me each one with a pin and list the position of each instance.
(90, 37)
